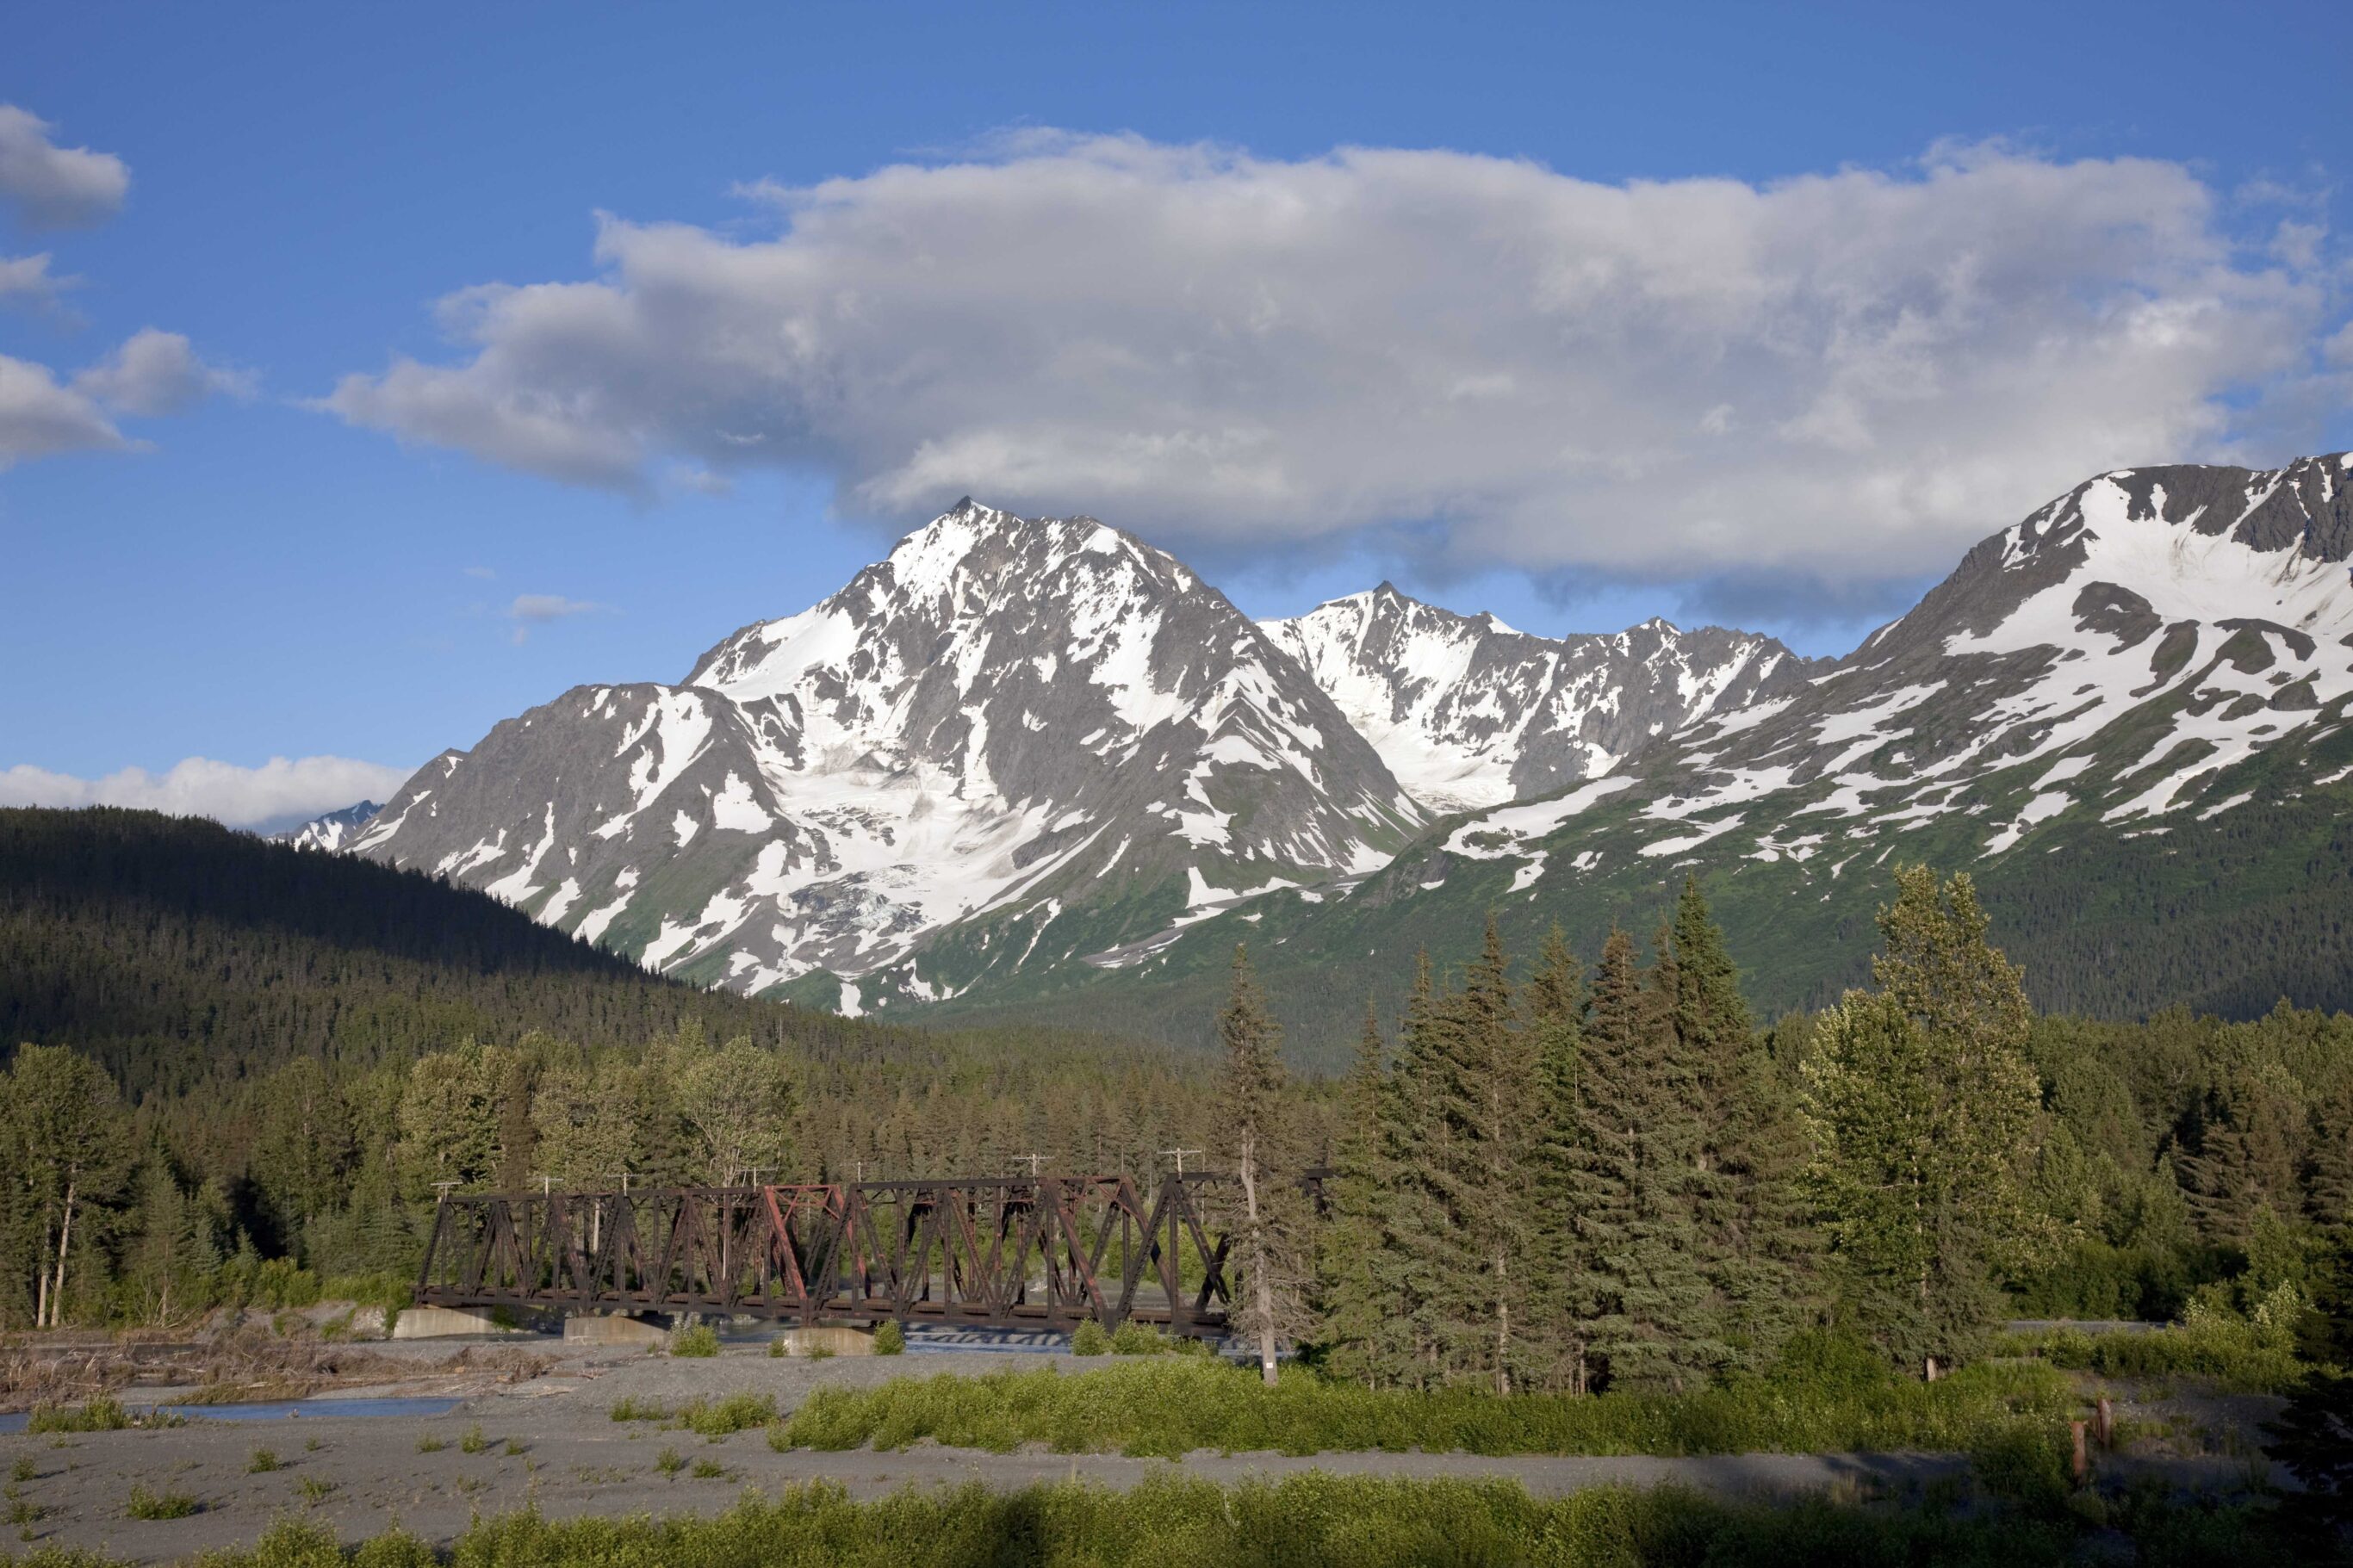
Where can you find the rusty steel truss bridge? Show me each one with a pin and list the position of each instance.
(1030, 1252)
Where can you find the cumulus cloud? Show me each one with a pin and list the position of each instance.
(26, 279)
(1826, 379)
(53, 186)
(40, 418)
(281, 789)
(157, 373)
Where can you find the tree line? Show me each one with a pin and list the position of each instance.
(1544, 1173)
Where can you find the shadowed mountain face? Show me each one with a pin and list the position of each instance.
(1029, 762)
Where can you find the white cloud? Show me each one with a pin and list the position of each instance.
(157, 373)
(54, 186)
(1833, 376)
(281, 788)
(39, 419)
(27, 279)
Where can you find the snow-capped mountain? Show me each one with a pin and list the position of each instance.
(1038, 762)
(1044, 735)
(1468, 712)
(2127, 716)
(2116, 653)
(335, 830)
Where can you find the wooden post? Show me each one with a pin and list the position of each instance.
(2083, 1466)
(2105, 1424)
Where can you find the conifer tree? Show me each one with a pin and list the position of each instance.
(1922, 1108)
(1268, 1241)
(1555, 1001)
(1357, 1289)
(1637, 1138)
(1494, 1070)
(1422, 1252)
(1749, 1210)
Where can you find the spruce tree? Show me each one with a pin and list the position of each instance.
(1494, 1070)
(1644, 1307)
(1268, 1242)
(1554, 1003)
(1751, 1231)
(1357, 1292)
(1924, 1108)
(1423, 1252)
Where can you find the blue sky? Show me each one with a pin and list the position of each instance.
(1571, 313)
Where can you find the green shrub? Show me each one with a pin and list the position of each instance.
(817, 1352)
(1090, 1340)
(263, 1461)
(1132, 1338)
(669, 1463)
(631, 1408)
(736, 1413)
(429, 1444)
(1175, 1404)
(314, 1488)
(779, 1348)
(710, 1470)
(2242, 1356)
(700, 1340)
(144, 1504)
(473, 1442)
(103, 1413)
(2026, 1466)
(889, 1339)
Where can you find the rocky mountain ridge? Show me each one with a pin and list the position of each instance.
(1030, 764)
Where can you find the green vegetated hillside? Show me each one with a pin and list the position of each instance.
(2227, 913)
(172, 950)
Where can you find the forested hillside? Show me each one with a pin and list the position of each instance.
(243, 1068)
(173, 950)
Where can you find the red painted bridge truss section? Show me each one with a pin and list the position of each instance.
(995, 1252)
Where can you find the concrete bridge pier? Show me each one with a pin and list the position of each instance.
(615, 1329)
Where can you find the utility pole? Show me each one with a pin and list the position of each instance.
(1035, 1160)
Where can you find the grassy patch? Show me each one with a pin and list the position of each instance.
(2239, 1356)
(1090, 1340)
(702, 1340)
(473, 1442)
(669, 1462)
(1177, 1521)
(262, 1461)
(889, 1339)
(145, 1504)
(1176, 1406)
(710, 1470)
(632, 1408)
(102, 1413)
(720, 1418)
(429, 1444)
